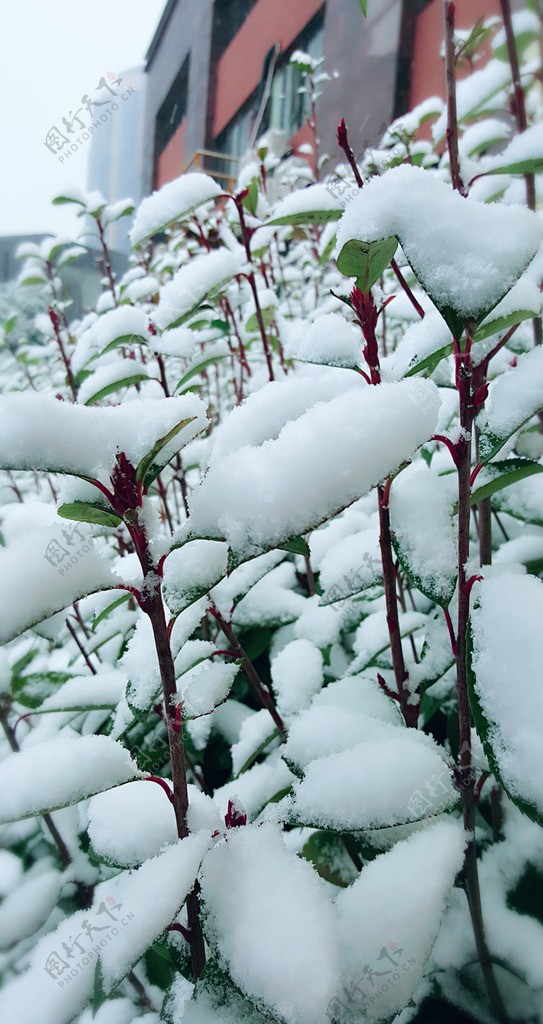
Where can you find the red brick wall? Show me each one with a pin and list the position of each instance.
(427, 77)
(171, 161)
(240, 67)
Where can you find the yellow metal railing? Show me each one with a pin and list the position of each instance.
(207, 160)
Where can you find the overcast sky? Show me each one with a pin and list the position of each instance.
(52, 52)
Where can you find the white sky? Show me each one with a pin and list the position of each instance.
(52, 52)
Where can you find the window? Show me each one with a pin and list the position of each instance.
(172, 110)
(289, 107)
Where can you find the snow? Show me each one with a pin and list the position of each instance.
(506, 648)
(140, 663)
(100, 691)
(255, 787)
(418, 341)
(297, 674)
(271, 600)
(350, 565)
(513, 398)
(24, 911)
(327, 729)
(41, 433)
(264, 413)
(204, 686)
(375, 784)
(359, 693)
(392, 912)
(255, 730)
(372, 636)
(421, 518)
(61, 771)
(481, 91)
(153, 894)
(113, 372)
(170, 203)
(179, 342)
(190, 285)
(524, 22)
(306, 201)
(125, 323)
(44, 572)
(135, 908)
(332, 341)
(193, 570)
(131, 823)
(289, 965)
(528, 145)
(466, 254)
(318, 464)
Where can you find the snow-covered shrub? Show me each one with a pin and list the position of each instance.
(270, 590)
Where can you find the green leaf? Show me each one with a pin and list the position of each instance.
(62, 200)
(90, 512)
(268, 316)
(529, 166)
(364, 7)
(416, 581)
(110, 608)
(99, 995)
(305, 217)
(326, 851)
(502, 323)
(217, 999)
(196, 370)
(296, 546)
(483, 728)
(479, 35)
(117, 385)
(31, 690)
(251, 199)
(366, 260)
(148, 469)
(502, 475)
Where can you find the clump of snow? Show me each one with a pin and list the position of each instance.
(199, 277)
(113, 372)
(421, 517)
(44, 572)
(204, 686)
(170, 203)
(513, 398)
(318, 464)
(61, 771)
(192, 570)
(41, 433)
(131, 823)
(389, 917)
(124, 324)
(378, 783)
(297, 674)
(332, 341)
(466, 254)
(306, 201)
(289, 965)
(506, 649)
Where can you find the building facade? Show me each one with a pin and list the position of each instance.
(212, 66)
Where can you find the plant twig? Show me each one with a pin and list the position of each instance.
(452, 120)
